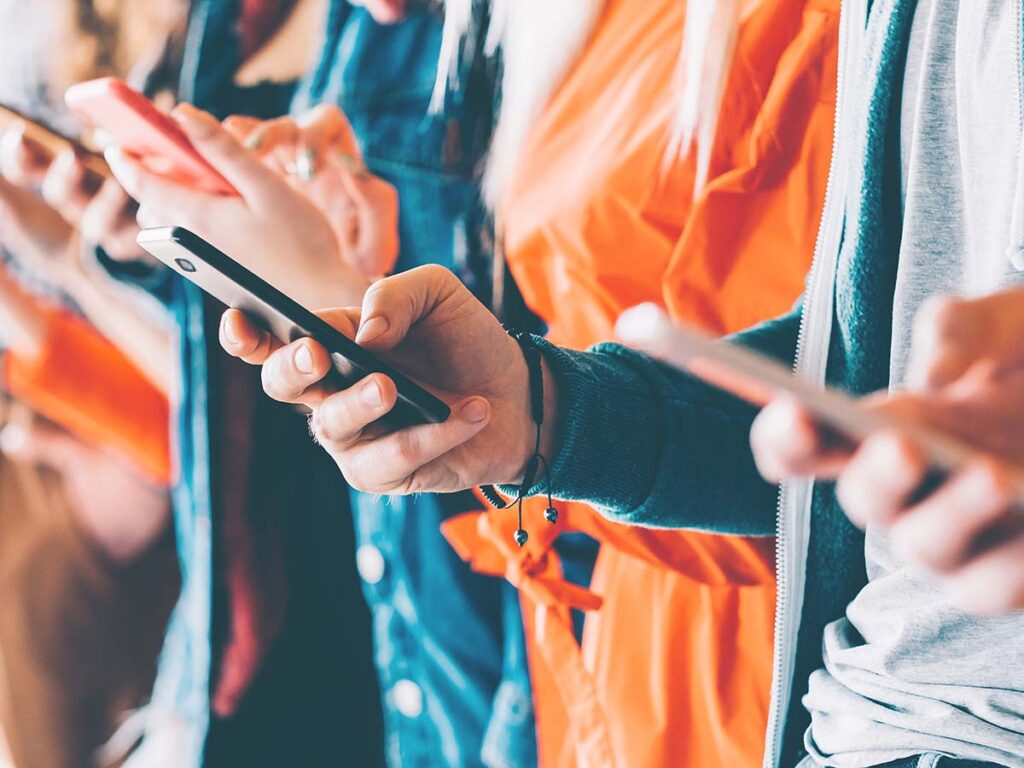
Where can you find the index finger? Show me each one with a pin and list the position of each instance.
(170, 200)
(241, 126)
(325, 127)
(242, 339)
(20, 162)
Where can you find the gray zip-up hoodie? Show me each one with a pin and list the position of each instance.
(665, 450)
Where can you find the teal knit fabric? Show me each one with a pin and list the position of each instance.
(866, 278)
(858, 360)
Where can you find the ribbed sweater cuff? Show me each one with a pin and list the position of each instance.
(608, 431)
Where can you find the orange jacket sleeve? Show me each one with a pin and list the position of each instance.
(85, 384)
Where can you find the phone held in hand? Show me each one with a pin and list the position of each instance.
(758, 379)
(142, 130)
(54, 142)
(225, 279)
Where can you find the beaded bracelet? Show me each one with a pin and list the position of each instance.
(536, 462)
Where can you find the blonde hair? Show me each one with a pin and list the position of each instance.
(540, 40)
(709, 44)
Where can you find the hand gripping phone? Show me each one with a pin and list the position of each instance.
(228, 281)
(53, 142)
(758, 379)
(142, 130)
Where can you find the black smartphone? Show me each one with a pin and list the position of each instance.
(235, 286)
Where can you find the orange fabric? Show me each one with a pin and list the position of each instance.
(678, 657)
(88, 386)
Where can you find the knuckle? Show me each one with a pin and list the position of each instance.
(252, 352)
(354, 478)
(376, 293)
(276, 380)
(415, 483)
(407, 449)
(436, 272)
(330, 428)
(264, 347)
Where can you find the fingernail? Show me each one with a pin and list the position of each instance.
(113, 155)
(229, 333)
(66, 160)
(353, 164)
(303, 359)
(475, 411)
(640, 322)
(371, 394)
(372, 329)
(12, 439)
(305, 164)
(185, 113)
(253, 140)
(191, 119)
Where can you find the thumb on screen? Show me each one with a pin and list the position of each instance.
(393, 305)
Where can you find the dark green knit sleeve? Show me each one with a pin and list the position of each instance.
(650, 445)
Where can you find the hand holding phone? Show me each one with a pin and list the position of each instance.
(228, 281)
(51, 142)
(142, 130)
(759, 380)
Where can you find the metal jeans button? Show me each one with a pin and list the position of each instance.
(370, 563)
(408, 698)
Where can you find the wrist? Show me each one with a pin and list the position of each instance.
(533, 437)
(549, 433)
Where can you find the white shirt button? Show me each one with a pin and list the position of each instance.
(370, 563)
(408, 698)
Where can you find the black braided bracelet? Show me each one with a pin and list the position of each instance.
(536, 463)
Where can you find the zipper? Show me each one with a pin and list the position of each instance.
(793, 513)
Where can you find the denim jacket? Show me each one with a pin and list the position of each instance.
(308, 702)
(448, 643)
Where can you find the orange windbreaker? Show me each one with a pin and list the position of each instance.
(85, 384)
(676, 659)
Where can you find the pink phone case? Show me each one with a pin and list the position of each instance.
(144, 131)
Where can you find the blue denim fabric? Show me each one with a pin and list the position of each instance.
(178, 716)
(177, 722)
(449, 643)
(449, 648)
(450, 652)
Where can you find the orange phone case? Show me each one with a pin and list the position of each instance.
(144, 131)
